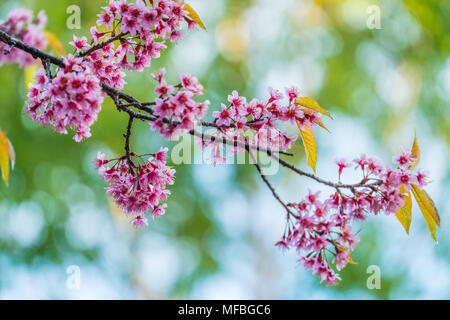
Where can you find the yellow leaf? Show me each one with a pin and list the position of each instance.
(193, 15)
(309, 142)
(317, 120)
(29, 74)
(12, 154)
(350, 259)
(313, 105)
(428, 209)
(6, 154)
(415, 151)
(54, 43)
(404, 214)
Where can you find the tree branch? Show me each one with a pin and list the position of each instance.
(320, 180)
(118, 95)
(127, 142)
(102, 44)
(269, 185)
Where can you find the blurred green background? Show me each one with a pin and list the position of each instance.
(216, 240)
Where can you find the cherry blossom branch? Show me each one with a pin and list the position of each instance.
(269, 185)
(204, 136)
(320, 231)
(234, 143)
(133, 102)
(46, 65)
(34, 52)
(102, 44)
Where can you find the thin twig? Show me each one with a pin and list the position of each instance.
(267, 182)
(127, 142)
(46, 65)
(320, 180)
(102, 44)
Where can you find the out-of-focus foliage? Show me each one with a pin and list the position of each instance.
(7, 155)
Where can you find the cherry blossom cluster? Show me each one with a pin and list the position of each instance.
(73, 98)
(141, 30)
(175, 106)
(20, 23)
(258, 122)
(70, 100)
(138, 187)
(321, 230)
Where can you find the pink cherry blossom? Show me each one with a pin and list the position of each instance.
(177, 110)
(105, 18)
(20, 23)
(80, 44)
(342, 164)
(274, 95)
(100, 160)
(405, 159)
(292, 93)
(223, 117)
(139, 221)
(422, 178)
(137, 189)
(323, 228)
(70, 100)
(236, 100)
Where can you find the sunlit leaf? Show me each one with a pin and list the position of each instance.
(429, 211)
(313, 105)
(193, 15)
(309, 142)
(6, 155)
(29, 74)
(55, 44)
(350, 258)
(404, 214)
(317, 120)
(415, 150)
